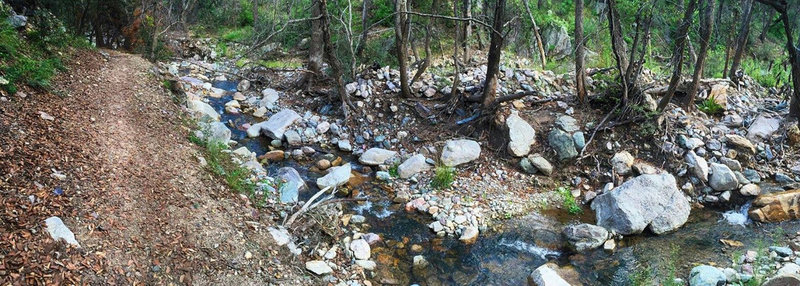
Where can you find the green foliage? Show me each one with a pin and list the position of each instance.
(443, 177)
(245, 17)
(710, 106)
(238, 34)
(393, 171)
(568, 201)
(765, 76)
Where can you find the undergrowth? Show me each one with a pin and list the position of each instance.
(710, 106)
(443, 177)
(219, 162)
(568, 201)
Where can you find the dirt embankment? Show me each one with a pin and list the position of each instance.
(114, 164)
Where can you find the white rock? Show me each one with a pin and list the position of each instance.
(58, 231)
(376, 156)
(698, 164)
(460, 151)
(280, 235)
(360, 248)
(336, 177)
(622, 162)
(521, 135)
(318, 267)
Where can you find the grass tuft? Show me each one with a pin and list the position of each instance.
(443, 177)
(710, 106)
(569, 202)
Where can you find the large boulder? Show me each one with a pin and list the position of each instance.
(585, 236)
(647, 200)
(521, 135)
(215, 132)
(460, 151)
(705, 275)
(336, 176)
(740, 143)
(722, 178)
(277, 124)
(563, 143)
(546, 275)
(557, 41)
(622, 162)
(291, 184)
(412, 166)
(202, 111)
(763, 127)
(376, 156)
(775, 207)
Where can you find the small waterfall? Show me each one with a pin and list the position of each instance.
(738, 216)
(541, 252)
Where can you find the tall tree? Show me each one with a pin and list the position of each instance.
(495, 50)
(536, 33)
(580, 70)
(741, 40)
(706, 28)
(677, 53)
(467, 30)
(401, 40)
(316, 45)
(330, 57)
(782, 7)
(618, 47)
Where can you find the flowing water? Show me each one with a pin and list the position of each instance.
(507, 256)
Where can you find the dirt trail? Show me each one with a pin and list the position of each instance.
(140, 204)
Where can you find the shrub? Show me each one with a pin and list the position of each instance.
(710, 106)
(443, 177)
(568, 201)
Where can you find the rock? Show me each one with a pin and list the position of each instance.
(293, 138)
(291, 184)
(609, 245)
(776, 207)
(750, 190)
(412, 166)
(273, 156)
(280, 235)
(567, 123)
(580, 141)
(719, 92)
(344, 145)
(731, 163)
(202, 111)
(546, 275)
(376, 156)
(557, 41)
(58, 231)
(526, 166)
(17, 21)
(783, 251)
(541, 164)
(420, 261)
(318, 267)
(337, 176)
(383, 176)
(323, 127)
(277, 124)
(741, 144)
(646, 200)
(585, 236)
(460, 151)
(521, 135)
(269, 97)
(259, 112)
(722, 178)
(563, 144)
(783, 279)
(215, 132)
(243, 85)
(705, 275)
(763, 127)
(469, 235)
(323, 164)
(622, 162)
(367, 264)
(360, 249)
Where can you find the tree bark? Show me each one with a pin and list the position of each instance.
(255, 12)
(538, 36)
(767, 23)
(618, 47)
(741, 41)
(580, 70)
(336, 67)
(706, 28)
(677, 53)
(401, 34)
(364, 30)
(467, 30)
(781, 7)
(495, 51)
(316, 45)
(427, 61)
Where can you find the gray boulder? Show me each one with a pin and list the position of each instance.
(277, 124)
(698, 165)
(291, 184)
(521, 135)
(336, 176)
(557, 41)
(17, 21)
(202, 111)
(722, 178)
(563, 144)
(567, 123)
(546, 275)
(460, 151)
(646, 200)
(58, 231)
(215, 132)
(541, 164)
(763, 127)
(705, 275)
(585, 236)
(622, 162)
(376, 156)
(412, 166)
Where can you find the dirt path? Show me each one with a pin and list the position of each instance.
(140, 204)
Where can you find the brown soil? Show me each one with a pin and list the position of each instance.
(139, 203)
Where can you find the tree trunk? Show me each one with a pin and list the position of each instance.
(580, 71)
(457, 46)
(255, 12)
(618, 47)
(741, 41)
(467, 30)
(495, 50)
(677, 53)
(316, 46)
(767, 23)
(781, 7)
(539, 36)
(427, 61)
(401, 34)
(336, 67)
(706, 28)
(364, 29)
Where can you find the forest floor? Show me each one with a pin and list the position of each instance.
(114, 165)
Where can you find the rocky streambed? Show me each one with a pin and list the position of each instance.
(396, 230)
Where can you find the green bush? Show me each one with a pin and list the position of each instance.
(710, 106)
(568, 201)
(443, 177)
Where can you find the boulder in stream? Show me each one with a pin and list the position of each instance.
(585, 236)
(202, 111)
(336, 177)
(547, 275)
(705, 275)
(277, 124)
(776, 207)
(291, 184)
(376, 156)
(646, 200)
